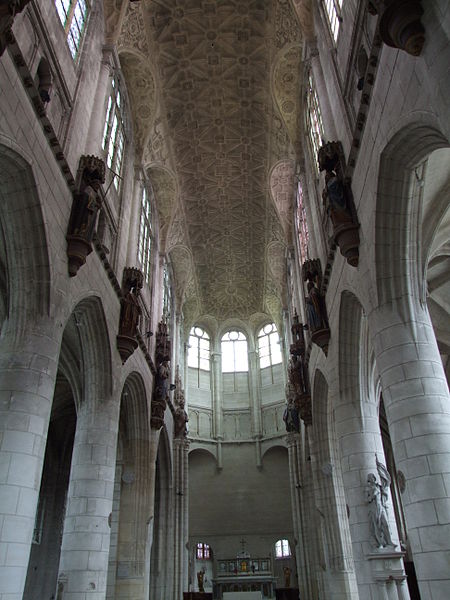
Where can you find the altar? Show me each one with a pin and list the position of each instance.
(244, 578)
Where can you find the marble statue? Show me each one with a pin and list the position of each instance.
(376, 497)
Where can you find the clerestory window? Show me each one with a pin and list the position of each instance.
(145, 235)
(302, 225)
(314, 118)
(269, 351)
(234, 352)
(114, 132)
(203, 551)
(73, 16)
(333, 10)
(167, 295)
(198, 355)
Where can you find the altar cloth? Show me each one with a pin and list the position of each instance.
(242, 596)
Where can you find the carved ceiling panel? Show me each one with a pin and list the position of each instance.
(221, 129)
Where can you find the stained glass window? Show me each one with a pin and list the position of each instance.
(333, 10)
(314, 124)
(282, 549)
(113, 132)
(198, 355)
(269, 346)
(302, 225)
(203, 551)
(73, 16)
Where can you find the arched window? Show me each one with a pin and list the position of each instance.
(145, 235)
(282, 549)
(73, 16)
(269, 346)
(234, 352)
(167, 295)
(314, 124)
(114, 132)
(198, 354)
(203, 551)
(333, 10)
(302, 225)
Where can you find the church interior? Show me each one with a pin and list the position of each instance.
(224, 300)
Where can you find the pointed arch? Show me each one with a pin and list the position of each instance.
(397, 224)
(27, 265)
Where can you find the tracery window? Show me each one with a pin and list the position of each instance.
(282, 549)
(234, 352)
(114, 132)
(73, 16)
(199, 347)
(203, 551)
(302, 225)
(314, 124)
(333, 10)
(167, 295)
(269, 346)
(145, 235)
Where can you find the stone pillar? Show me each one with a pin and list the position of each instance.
(255, 402)
(417, 402)
(216, 358)
(97, 120)
(359, 438)
(83, 565)
(294, 453)
(181, 555)
(27, 381)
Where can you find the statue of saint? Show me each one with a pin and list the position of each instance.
(376, 497)
(130, 312)
(287, 577)
(315, 308)
(180, 417)
(200, 580)
(290, 416)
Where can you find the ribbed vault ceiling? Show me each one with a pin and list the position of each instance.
(215, 90)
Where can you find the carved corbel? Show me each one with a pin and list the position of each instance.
(162, 378)
(87, 201)
(400, 25)
(338, 200)
(8, 10)
(130, 312)
(316, 310)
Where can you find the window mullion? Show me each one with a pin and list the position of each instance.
(69, 17)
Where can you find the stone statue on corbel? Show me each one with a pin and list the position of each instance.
(298, 392)
(316, 310)
(130, 312)
(87, 201)
(338, 201)
(180, 416)
(162, 377)
(400, 25)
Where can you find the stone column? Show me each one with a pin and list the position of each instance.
(216, 358)
(27, 381)
(83, 565)
(417, 402)
(181, 556)
(294, 453)
(97, 120)
(255, 402)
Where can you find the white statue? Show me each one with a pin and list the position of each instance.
(376, 497)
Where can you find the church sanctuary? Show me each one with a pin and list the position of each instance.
(224, 299)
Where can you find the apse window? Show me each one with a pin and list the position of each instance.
(333, 10)
(73, 16)
(198, 354)
(269, 346)
(113, 132)
(145, 235)
(302, 225)
(314, 116)
(282, 549)
(234, 352)
(203, 551)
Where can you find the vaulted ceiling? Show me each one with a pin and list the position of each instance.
(215, 94)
